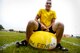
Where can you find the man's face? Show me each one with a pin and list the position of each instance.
(48, 6)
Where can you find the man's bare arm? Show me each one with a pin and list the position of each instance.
(36, 18)
(42, 25)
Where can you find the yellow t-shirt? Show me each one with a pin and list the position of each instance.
(46, 16)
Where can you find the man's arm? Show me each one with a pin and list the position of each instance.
(42, 25)
(36, 18)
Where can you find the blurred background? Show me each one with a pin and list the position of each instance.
(15, 14)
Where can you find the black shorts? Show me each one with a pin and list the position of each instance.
(50, 29)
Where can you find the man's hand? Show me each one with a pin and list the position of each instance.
(44, 28)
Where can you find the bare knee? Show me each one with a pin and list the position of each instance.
(60, 25)
(33, 24)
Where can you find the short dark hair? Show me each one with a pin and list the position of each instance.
(48, 2)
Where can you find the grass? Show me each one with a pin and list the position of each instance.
(73, 39)
(8, 37)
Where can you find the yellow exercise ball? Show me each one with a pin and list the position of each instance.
(43, 40)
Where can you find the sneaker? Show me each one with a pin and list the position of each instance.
(17, 44)
(61, 47)
(24, 43)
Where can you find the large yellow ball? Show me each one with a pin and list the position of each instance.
(43, 40)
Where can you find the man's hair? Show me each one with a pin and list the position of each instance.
(48, 2)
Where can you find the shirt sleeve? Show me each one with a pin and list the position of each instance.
(39, 12)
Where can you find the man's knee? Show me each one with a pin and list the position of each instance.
(33, 24)
(60, 25)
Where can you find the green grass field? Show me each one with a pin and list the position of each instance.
(9, 37)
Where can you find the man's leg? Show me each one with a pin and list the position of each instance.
(32, 25)
(59, 29)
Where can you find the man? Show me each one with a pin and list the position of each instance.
(47, 19)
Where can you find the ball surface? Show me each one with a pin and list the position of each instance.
(43, 40)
